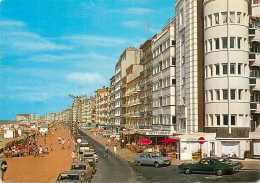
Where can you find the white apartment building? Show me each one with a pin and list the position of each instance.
(128, 57)
(164, 79)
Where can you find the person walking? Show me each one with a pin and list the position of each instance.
(115, 151)
(106, 151)
(40, 151)
(108, 141)
(62, 144)
(73, 156)
(59, 139)
(68, 144)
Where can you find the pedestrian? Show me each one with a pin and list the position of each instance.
(108, 141)
(122, 144)
(68, 144)
(35, 150)
(106, 151)
(40, 151)
(90, 144)
(62, 144)
(73, 156)
(46, 151)
(59, 139)
(115, 151)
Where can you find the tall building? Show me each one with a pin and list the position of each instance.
(101, 106)
(111, 103)
(164, 79)
(128, 57)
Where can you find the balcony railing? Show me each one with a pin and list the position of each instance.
(141, 86)
(149, 83)
(142, 59)
(149, 68)
(141, 99)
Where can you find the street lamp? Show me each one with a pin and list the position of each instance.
(78, 103)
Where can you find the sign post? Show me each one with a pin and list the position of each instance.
(79, 141)
(3, 165)
(201, 141)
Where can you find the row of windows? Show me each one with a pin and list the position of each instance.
(223, 18)
(162, 83)
(222, 69)
(159, 49)
(164, 65)
(164, 119)
(162, 101)
(223, 94)
(222, 119)
(234, 43)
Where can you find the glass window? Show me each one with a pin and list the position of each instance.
(217, 94)
(206, 96)
(232, 17)
(233, 94)
(255, 1)
(211, 95)
(225, 94)
(210, 45)
(239, 42)
(210, 70)
(224, 17)
(224, 42)
(205, 22)
(210, 20)
(240, 94)
(239, 68)
(232, 68)
(217, 44)
(217, 69)
(224, 66)
(239, 17)
(225, 119)
(233, 119)
(232, 42)
(206, 47)
(216, 18)
(218, 119)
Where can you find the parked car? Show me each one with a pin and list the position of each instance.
(152, 158)
(72, 176)
(85, 167)
(84, 146)
(218, 166)
(89, 157)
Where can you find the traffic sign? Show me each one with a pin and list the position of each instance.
(201, 140)
(3, 165)
(79, 140)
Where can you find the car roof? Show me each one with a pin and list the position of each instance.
(80, 163)
(73, 172)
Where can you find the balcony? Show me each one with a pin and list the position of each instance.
(148, 53)
(251, 31)
(141, 86)
(253, 106)
(149, 98)
(142, 59)
(149, 112)
(141, 99)
(149, 83)
(149, 68)
(141, 113)
(252, 81)
(141, 73)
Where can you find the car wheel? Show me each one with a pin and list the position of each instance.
(139, 163)
(219, 172)
(187, 171)
(156, 164)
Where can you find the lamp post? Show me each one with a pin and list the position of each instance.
(78, 102)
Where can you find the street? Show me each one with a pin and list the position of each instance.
(117, 170)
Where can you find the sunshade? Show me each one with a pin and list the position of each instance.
(145, 141)
(168, 140)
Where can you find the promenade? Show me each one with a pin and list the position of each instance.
(45, 168)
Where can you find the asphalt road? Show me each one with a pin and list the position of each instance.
(117, 170)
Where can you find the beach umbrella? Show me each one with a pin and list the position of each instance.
(168, 140)
(145, 141)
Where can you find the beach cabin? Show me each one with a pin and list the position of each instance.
(44, 127)
(9, 134)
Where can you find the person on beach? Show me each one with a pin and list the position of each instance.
(40, 151)
(115, 151)
(59, 139)
(46, 151)
(52, 148)
(68, 144)
(62, 144)
(73, 156)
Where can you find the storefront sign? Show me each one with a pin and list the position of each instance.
(128, 132)
(174, 137)
(158, 133)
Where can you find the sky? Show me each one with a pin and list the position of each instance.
(52, 48)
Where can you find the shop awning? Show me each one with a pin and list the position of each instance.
(145, 141)
(168, 140)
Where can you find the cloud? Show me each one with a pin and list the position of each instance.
(132, 24)
(86, 78)
(12, 23)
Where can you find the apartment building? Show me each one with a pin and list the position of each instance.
(146, 83)
(28, 117)
(101, 106)
(111, 103)
(164, 79)
(254, 81)
(131, 117)
(128, 57)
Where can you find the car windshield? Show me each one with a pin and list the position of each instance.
(88, 155)
(78, 167)
(68, 177)
(224, 160)
(84, 145)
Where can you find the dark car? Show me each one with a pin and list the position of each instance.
(90, 159)
(218, 166)
(85, 167)
(72, 176)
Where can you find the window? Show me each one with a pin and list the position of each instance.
(225, 94)
(183, 59)
(217, 69)
(255, 1)
(233, 119)
(205, 22)
(232, 42)
(225, 119)
(211, 95)
(210, 70)
(173, 61)
(206, 96)
(216, 15)
(206, 47)
(239, 42)
(210, 20)
(233, 94)
(224, 42)
(232, 68)
(232, 17)
(181, 17)
(224, 67)
(174, 120)
(218, 119)
(217, 44)
(173, 81)
(206, 72)
(183, 81)
(211, 119)
(210, 45)
(239, 17)
(240, 94)
(217, 94)
(173, 43)
(224, 17)
(239, 69)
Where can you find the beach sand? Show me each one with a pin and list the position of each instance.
(43, 169)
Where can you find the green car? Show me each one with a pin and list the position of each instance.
(218, 166)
